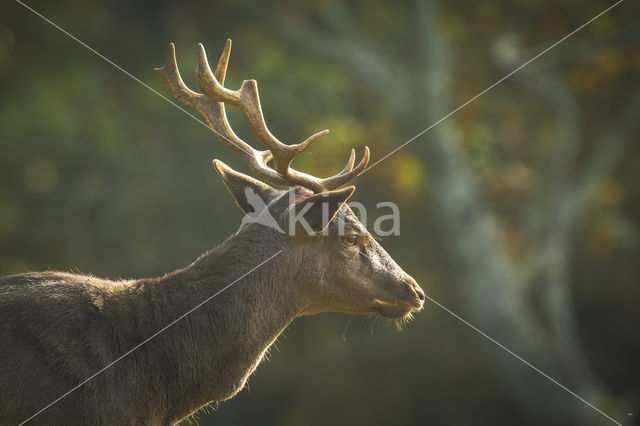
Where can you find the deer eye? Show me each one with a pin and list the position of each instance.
(350, 240)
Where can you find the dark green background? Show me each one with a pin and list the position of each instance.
(521, 212)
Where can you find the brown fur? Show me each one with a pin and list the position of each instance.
(57, 329)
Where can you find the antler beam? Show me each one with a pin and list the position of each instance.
(211, 104)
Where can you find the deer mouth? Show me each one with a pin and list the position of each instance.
(395, 309)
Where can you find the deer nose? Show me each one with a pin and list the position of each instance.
(415, 287)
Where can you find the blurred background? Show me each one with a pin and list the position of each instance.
(521, 212)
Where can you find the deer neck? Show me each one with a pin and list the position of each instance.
(213, 350)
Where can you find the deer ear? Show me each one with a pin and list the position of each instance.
(315, 213)
(245, 189)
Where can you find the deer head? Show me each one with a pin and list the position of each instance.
(337, 265)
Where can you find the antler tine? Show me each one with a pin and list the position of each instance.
(210, 110)
(211, 105)
(247, 100)
(223, 62)
(347, 173)
(172, 79)
(215, 115)
(352, 160)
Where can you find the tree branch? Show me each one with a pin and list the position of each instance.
(609, 152)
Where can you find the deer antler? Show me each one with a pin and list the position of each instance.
(210, 104)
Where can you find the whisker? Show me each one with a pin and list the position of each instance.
(346, 327)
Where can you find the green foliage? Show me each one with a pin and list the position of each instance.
(99, 174)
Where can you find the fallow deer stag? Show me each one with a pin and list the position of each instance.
(58, 329)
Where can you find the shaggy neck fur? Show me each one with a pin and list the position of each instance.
(208, 355)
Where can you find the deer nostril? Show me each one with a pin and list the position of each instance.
(415, 287)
